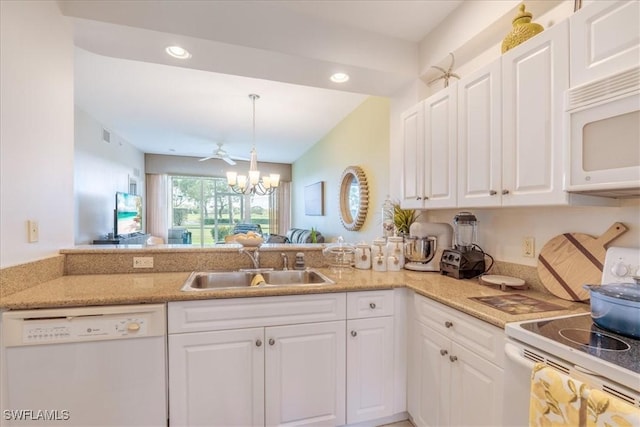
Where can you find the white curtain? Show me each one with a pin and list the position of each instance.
(158, 205)
(280, 215)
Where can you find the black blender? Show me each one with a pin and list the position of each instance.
(466, 259)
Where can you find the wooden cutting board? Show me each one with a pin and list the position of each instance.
(570, 260)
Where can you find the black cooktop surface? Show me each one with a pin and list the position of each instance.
(580, 333)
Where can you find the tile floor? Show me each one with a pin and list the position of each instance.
(406, 423)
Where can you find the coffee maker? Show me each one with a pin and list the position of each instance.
(466, 259)
(425, 244)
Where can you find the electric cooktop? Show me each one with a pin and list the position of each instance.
(581, 334)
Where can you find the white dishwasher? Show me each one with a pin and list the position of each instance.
(89, 366)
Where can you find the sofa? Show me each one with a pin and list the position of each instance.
(295, 235)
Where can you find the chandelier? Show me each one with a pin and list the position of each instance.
(252, 183)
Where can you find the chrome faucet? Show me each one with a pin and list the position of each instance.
(255, 257)
(285, 261)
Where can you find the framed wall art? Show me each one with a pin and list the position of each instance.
(314, 199)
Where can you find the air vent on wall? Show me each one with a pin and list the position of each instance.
(106, 136)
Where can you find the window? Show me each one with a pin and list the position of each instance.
(206, 208)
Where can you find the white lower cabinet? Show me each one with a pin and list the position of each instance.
(272, 373)
(332, 359)
(455, 368)
(370, 356)
(217, 378)
(304, 374)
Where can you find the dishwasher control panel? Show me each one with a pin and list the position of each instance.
(82, 324)
(80, 328)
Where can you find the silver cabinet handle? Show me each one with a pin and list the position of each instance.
(372, 305)
(354, 333)
(448, 324)
(453, 358)
(493, 192)
(258, 343)
(272, 341)
(443, 352)
(505, 191)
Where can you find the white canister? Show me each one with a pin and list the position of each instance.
(395, 253)
(379, 255)
(363, 256)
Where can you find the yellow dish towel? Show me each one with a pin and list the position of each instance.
(257, 280)
(556, 399)
(606, 410)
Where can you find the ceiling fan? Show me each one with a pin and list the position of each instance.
(220, 154)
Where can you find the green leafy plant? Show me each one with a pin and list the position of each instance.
(314, 235)
(403, 218)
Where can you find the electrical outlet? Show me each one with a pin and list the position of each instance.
(142, 262)
(528, 247)
(32, 231)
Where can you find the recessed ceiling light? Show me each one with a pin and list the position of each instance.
(339, 77)
(178, 52)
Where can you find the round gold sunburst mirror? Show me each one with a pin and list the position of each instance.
(354, 198)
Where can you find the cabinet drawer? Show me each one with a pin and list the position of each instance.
(369, 304)
(434, 315)
(476, 335)
(233, 313)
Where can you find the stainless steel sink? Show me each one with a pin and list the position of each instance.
(295, 277)
(209, 280)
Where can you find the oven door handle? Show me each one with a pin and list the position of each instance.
(512, 353)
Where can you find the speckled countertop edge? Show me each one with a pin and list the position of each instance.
(116, 289)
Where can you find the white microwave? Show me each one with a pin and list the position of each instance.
(603, 138)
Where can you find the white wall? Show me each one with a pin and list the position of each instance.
(101, 169)
(36, 136)
(500, 231)
(361, 139)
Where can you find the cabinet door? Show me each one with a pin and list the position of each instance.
(412, 155)
(429, 384)
(535, 77)
(480, 138)
(305, 374)
(369, 369)
(476, 389)
(604, 40)
(217, 378)
(439, 157)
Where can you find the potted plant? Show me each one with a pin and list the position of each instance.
(402, 219)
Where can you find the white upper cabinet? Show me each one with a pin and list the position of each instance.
(535, 76)
(510, 126)
(440, 129)
(429, 152)
(480, 138)
(412, 152)
(604, 40)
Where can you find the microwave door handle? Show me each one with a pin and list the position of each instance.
(512, 353)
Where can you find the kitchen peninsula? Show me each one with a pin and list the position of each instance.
(367, 330)
(98, 275)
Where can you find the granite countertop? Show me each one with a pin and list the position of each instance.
(135, 288)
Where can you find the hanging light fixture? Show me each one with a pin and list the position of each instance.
(252, 183)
